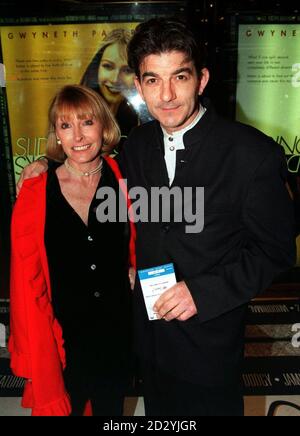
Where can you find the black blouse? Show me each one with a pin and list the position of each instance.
(89, 279)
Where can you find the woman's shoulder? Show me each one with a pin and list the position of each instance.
(33, 184)
(31, 193)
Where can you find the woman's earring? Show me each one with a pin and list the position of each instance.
(58, 141)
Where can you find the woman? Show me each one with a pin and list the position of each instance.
(70, 292)
(109, 75)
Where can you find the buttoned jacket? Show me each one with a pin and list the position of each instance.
(248, 237)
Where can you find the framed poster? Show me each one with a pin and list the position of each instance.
(268, 91)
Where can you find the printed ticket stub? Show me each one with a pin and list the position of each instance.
(154, 282)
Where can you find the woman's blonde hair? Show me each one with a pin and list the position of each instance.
(84, 103)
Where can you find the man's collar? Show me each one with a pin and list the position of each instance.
(194, 135)
(181, 132)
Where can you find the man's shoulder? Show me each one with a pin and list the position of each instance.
(143, 132)
(245, 138)
(137, 143)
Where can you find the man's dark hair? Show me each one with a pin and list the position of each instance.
(161, 35)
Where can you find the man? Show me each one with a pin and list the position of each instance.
(191, 357)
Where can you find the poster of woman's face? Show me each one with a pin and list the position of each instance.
(39, 60)
(108, 73)
(114, 74)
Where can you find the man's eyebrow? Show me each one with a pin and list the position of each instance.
(149, 74)
(183, 70)
(175, 73)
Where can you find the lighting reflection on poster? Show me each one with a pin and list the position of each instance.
(41, 59)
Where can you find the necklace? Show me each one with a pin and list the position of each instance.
(83, 173)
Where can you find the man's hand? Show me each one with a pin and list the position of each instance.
(176, 303)
(32, 170)
(131, 275)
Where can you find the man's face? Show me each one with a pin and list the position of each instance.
(170, 86)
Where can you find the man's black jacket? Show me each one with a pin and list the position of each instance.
(248, 238)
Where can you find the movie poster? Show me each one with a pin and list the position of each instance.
(40, 59)
(83, 44)
(268, 90)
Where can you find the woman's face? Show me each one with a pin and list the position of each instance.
(114, 75)
(81, 139)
